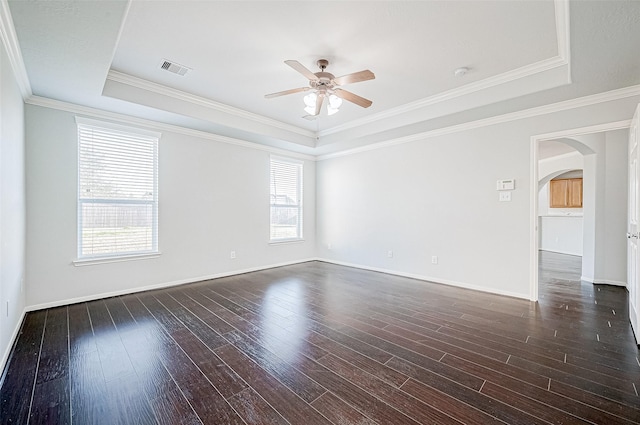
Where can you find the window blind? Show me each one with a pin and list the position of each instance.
(117, 190)
(286, 199)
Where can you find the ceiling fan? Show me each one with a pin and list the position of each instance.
(325, 85)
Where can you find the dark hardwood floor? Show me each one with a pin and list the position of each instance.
(317, 343)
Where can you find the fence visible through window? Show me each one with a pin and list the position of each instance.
(285, 199)
(117, 190)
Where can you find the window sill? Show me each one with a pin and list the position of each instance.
(286, 241)
(105, 260)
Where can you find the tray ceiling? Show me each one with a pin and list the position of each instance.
(108, 55)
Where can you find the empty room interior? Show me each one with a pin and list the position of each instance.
(319, 212)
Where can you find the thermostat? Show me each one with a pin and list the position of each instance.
(508, 184)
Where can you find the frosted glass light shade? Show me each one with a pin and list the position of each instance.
(334, 101)
(333, 104)
(310, 100)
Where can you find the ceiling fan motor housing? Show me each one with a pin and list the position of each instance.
(324, 78)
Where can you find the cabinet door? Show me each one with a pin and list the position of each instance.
(558, 193)
(575, 193)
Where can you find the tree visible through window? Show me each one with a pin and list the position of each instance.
(286, 199)
(117, 190)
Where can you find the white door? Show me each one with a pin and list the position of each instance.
(634, 227)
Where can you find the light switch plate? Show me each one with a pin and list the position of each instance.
(505, 196)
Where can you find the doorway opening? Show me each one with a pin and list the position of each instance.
(581, 150)
(560, 214)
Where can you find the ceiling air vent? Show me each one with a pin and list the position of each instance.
(176, 68)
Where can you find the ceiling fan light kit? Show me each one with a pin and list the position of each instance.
(325, 85)
(310, 100)
(334, 104)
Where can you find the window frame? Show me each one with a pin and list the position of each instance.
(100, 258)
(299, 164)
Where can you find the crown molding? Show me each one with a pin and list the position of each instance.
(563, 33)
(579, 102)
(120, 77)
(123, 22)
(598, 128)
(563, 58)
(12, 46)
(513, 116)
(157, 126)
(457, 93)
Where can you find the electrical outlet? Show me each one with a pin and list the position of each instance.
(329, 246)
(232, 255)
(389, 254)
(434, 259)
(7, 308)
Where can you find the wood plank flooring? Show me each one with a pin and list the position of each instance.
(317, 343)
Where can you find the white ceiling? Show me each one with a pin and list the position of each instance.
(237, 49)
(106, 54)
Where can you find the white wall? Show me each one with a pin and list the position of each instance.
(437, 196)
(12, 206)
(432, 198)
(615, 208)
(605, 207)
(213, 198)
(592, 188)
(561, 234)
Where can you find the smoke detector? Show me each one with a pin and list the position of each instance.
(460, 72)
(174, 67)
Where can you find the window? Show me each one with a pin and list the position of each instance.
(286, 199)
(117, 190)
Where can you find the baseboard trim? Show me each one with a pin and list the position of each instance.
(561, 252)
(609, 282)
(161, 285)
(603, 281)
(463, 285)
(12, 342)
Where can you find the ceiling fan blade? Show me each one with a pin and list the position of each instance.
(319, 103)
(356, 77)
(302, 70)
(353, 98)
(286, 92)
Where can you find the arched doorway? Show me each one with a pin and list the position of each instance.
(591, 145)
